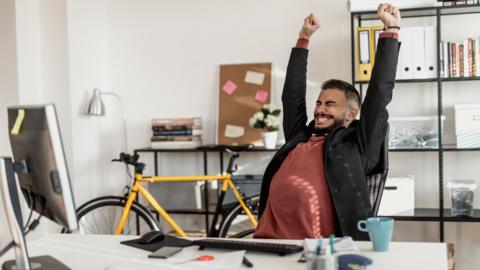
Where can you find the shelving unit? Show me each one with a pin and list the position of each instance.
(440, 214)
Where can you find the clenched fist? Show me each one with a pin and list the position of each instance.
(389, 14)
(310, 25)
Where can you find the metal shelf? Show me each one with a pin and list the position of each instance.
(430, 80)
(440, 214)
(201, 149)
(424, 12)
(445, 149)
(433, 214)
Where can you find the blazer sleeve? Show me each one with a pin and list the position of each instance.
(373, 114)
(293, 95)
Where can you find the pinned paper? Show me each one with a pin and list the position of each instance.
(261, 95)
(229, 87)
(254, 77)
(232, 131)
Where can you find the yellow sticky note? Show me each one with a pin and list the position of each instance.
(18, 123)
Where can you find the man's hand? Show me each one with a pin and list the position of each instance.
(310, 25)
(389, 15)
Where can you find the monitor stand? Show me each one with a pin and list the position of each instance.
(11, 201)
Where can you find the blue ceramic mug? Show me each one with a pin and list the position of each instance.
(379, 230)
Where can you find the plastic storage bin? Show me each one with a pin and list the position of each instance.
(461, 195)
(414, 132)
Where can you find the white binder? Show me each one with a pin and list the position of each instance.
(418, 52)
(404, 67)
(430, 67)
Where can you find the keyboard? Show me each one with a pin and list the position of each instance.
(281, 249)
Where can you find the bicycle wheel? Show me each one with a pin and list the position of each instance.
(236, 220)
(101, 216)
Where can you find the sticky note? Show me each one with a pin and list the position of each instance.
(261, 95)
(232, 131)
(229, 87)
(254, 77)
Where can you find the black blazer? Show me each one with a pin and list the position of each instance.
(349, 153)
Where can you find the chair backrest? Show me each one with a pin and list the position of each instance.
(376, 179)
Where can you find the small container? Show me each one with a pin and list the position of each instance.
(461, 195)
(414, 132)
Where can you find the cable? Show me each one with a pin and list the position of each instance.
(31, 206)
(29, 228)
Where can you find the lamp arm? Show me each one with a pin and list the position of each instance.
(124, 116)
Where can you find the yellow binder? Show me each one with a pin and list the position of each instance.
(364, 53)
(375, 35)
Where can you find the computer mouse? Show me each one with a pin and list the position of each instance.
(151, 237)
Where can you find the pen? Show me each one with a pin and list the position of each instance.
(332, 249)
(247, 262)
(319, 245)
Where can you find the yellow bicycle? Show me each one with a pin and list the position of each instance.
(113, 214)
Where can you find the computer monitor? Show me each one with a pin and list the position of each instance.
(41, 169)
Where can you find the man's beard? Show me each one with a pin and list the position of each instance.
(338, 122)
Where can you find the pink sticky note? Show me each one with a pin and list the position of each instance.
(261, 95)
(229, 87)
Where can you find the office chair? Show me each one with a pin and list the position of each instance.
(377, 177)
(375, 182)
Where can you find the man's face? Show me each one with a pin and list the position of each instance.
(333, 110)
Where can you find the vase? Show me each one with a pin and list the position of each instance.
(269, 139)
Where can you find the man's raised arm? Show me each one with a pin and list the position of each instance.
(374, 114)
(294, 89)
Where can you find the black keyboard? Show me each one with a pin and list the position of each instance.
(281, 249)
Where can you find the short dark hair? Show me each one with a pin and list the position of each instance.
(351, 94)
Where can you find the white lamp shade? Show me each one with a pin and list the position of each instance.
(95, 106)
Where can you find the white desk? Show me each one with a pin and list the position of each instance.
(101, 251)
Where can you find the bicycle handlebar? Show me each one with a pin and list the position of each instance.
(131, 160)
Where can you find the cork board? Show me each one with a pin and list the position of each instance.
(243, 89)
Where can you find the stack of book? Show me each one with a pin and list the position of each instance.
(460, 59)
(176, 133)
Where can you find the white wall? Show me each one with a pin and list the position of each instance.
(8, 88)
(162, 58)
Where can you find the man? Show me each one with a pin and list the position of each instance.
(315, 184)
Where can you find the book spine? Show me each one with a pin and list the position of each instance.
(450, 62)
(169, 127)
(462, 60)
(442, 60)
(474, 58)
(454, 59)
(176, 121)
(477, 55)
(189, 132)
(470, 58)
(175, 138)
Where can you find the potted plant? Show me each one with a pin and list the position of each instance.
(268, 120)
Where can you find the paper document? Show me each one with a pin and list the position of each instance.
(232, 131)
(226, 260)
(342, 245)
(254, 77)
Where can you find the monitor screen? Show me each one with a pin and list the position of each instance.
(36, 142)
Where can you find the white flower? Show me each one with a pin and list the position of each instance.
(266, 107)
(258, 116)
(252, 121)
(271, 121)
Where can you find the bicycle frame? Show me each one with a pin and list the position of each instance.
(137, 187)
